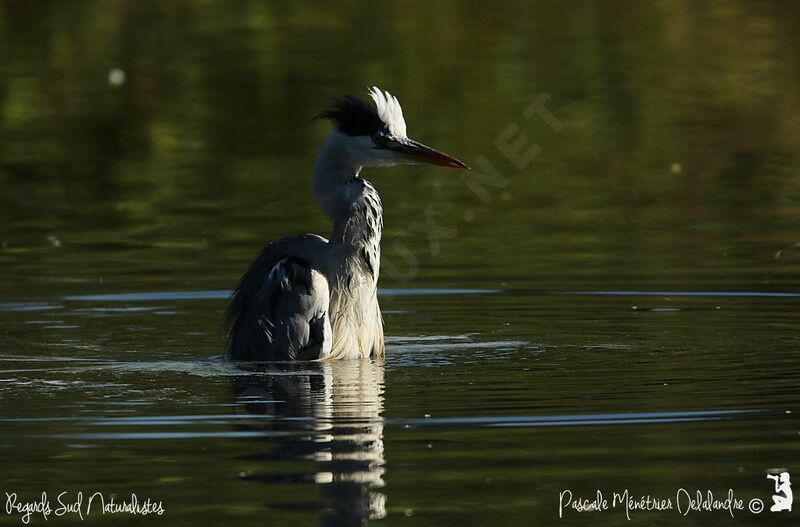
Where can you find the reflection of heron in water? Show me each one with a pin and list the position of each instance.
(328, 414)
(305, 297)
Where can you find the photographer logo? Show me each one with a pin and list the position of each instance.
(783, 497)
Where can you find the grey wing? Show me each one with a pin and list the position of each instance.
(279, 310)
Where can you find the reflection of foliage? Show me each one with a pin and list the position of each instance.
(214, 111)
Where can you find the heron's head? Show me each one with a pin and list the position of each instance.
(376, 135)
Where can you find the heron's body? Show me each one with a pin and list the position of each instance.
(306, 297)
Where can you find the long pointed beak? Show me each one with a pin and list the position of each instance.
(420, 153)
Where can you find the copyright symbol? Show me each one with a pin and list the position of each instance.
(756, 506)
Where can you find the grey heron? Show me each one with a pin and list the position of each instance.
(305, 297)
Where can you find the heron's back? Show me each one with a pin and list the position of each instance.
(279, 306)
(305, 298)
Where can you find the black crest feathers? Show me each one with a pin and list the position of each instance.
(352, 116)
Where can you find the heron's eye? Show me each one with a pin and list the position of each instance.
(379, 139)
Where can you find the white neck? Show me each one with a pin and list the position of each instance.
(352, 204)
(333, 172)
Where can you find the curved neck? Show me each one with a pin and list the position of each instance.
(351, 203)
(332, 173)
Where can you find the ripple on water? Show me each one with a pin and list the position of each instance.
(224, 294)
(709, 294)
(210, 421)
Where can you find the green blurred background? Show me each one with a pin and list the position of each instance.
(678, 156)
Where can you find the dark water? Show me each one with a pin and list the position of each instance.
(617, 310)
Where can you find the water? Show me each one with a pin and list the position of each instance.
(621, 312)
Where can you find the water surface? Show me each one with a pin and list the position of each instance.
(620, 312)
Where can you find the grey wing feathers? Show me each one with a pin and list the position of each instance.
(279, 310)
